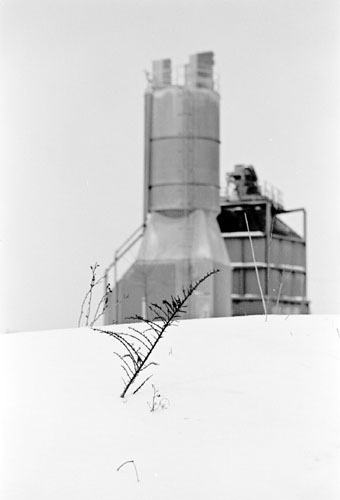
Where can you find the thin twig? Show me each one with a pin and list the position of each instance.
(279, 294)
(141, 385)
(88, 299)
(130, 462)
(92, 285)
(278, 298)
(255, 265)
(104, 302)
(137, 339)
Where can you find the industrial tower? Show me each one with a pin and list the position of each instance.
(181, 240)
(189, 228)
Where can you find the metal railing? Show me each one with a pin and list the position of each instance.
(119, 253)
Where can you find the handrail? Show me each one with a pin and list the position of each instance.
(119, 253)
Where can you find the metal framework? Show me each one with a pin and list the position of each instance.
(281, 254)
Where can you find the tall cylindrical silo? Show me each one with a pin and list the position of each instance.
(182, 240)
(184, 149)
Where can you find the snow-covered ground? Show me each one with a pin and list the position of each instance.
(251, 411)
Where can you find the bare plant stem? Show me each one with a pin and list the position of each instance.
(87, 302)
(158, 401)
(140, 344)
(279, 294)
(256, 269)
(169, 319)
(130, 462)
(278, 298)
(92, 285)
(103, 303)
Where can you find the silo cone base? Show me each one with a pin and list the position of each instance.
(175, 252)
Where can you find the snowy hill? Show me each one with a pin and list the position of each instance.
(250, 410)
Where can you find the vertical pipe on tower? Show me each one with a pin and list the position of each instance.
(147, 151)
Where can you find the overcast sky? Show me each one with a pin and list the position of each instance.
(72, 84)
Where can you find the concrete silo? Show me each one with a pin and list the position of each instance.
(181, 240)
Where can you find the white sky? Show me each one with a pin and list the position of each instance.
(72, 130)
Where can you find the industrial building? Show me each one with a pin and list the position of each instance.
(189, 228)
(262, 248)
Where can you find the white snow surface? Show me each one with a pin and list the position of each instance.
(251, 412)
